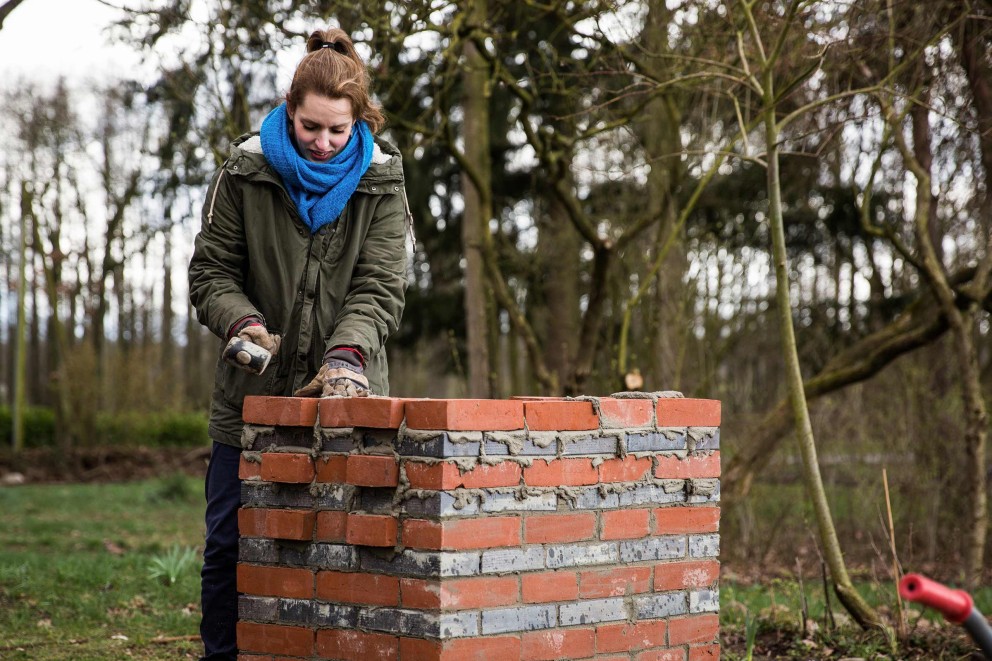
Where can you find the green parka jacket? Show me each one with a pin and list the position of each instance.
(341, 286)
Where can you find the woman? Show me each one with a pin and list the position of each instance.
(301, 251)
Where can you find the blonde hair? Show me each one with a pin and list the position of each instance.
(333, 68)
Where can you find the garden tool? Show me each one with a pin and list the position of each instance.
(957, 606)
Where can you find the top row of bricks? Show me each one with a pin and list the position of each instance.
(535, 414)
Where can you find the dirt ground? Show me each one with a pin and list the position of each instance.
(35, 466)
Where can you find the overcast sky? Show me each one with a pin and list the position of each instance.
(43, 39)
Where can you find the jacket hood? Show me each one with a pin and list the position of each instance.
(246, 153)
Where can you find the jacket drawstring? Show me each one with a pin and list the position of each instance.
(213, 198)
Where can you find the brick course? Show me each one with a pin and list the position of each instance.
(524, 529)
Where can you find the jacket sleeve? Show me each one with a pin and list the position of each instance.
(372, 309)
(220, 258)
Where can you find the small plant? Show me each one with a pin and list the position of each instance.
(169, 566)
(750, 632)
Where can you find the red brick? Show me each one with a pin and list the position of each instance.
(331, 525)
(679, 575)
(275, 639)
(371, 530)
(544, 587)
(249, 470)
(287, 467)
(630, 637)
(276, 524)
(422, 534)
(418, 649)
(544, 415)
(561, 472)
(694, 629)
(680, 519)
(679, 412)
(280, 411)
(704, 652)
(480, 533)
(625, 524)
(465, 414)
(483, 592)
(372, 412)
(671, 467)
(366, 470)
(484, 476)
(351, 645)
(332, 468)
(489, 648)
(628, 469)
(358, 588)
(275, 581)
(255, 657)
(617, 582)
(557, 644)
(554, 528)
(419, 593)
(442, 475)
(661, 655)
(625, 413)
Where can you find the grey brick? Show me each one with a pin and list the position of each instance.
(294, 553)
(334, 439)
(540, 443)
(414, 623)
(296, 611)
(268, 494)
(257, 549)
(459, 625)
(379, 441)
(703, 490)
(424, 564)
(653, 606)
(652, 493)
(259, 437)
(258, 609)
(518, 618)
(589, 445)
(332, 556)
(440, 446)
(592, 611)
(375, 500)
(704, 546)
(652, 548)
(704, 438)
(341, 616)
(514, 501)
(580, 555)
(590, 498)
(500, 561)
(657, 441)
(333, 497)
(442, 503)
(704, 601)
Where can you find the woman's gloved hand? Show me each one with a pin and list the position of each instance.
(339, 376)
(257, 334)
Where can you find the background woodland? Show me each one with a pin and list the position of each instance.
(594, 185)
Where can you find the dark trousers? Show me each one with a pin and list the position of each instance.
(219, 578)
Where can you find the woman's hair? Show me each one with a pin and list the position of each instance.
(333, 68)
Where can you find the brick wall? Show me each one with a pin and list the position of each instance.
(527, 529)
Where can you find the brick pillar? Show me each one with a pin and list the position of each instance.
(504, 530)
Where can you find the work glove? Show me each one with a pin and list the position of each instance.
(336, 378)
(254, 331)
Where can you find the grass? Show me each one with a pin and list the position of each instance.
(97, 572)
(75, 579)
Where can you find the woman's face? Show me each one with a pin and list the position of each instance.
(321, 126)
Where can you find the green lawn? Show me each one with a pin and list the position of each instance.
(76, 583)
(76, 570)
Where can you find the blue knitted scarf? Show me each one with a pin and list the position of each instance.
(320, 190)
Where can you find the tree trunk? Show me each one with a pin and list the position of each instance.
(477, 192)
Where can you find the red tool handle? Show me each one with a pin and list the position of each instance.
(956, 605)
